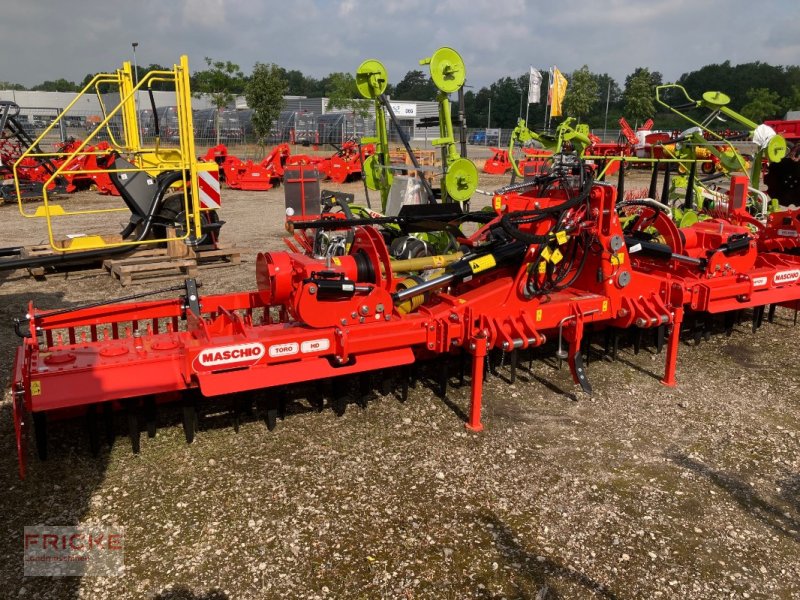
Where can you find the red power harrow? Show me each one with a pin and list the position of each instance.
(557, 258)
(248, 175)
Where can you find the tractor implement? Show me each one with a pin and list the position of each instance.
(556, 259)
(552, 262)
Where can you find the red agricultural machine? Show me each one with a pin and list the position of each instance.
(556, 261)
(248, 175)
(344, 165)
(557, 258)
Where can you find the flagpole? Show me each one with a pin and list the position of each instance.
(547, 101)
(605, 123)
(528, 103)
(550, 97)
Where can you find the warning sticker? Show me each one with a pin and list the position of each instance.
(482, 263)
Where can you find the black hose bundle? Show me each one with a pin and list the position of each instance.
(555, 274)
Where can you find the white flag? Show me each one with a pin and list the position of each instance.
(534, 86)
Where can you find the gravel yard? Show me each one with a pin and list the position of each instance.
(638, 491)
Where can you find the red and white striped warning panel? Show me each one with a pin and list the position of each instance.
(208, 189)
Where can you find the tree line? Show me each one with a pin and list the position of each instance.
(758, 90)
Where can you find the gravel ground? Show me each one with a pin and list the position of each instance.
(638, 491)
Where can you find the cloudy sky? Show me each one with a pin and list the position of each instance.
(50, 39)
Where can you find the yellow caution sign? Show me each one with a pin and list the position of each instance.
(482, 263)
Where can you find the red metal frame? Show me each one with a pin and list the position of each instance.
(311, 319)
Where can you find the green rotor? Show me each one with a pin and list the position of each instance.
(461, 180)
(447, 69)
(371, 79)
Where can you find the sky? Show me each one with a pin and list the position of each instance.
(50, 39)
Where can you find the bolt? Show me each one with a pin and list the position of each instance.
(364, 309)
(361, 319)
(430, 345)
(622, 312)
(343, 321)
(353, 315)
(379, 308)
(454, 317)
(472, 346)
(430, 328)
(312, 289)
(640, 322)
(388, 317)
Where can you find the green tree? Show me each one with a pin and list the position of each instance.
(296, 83)
(264, 94)
(416, 85)
(792, 101)
(505, 95)
(762, 103)
(222, 81)
(6, 85)
(638, 95)
(59, 85)
(343, 93)
(581, 96)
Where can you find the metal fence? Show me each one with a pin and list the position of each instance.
(300, 128)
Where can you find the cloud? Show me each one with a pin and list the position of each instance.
(317, 37)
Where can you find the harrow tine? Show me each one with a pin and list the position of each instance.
(132, 411)
(190, 419)
(40, 431)
(697, 331)
(236, 413)
(444, 377)
(404, 377)
(637, 340)
(661, 334)
(587, 344)
(364, 389)
(758, 317)
(729, 322)
(92, 427)
(339, 393)
(108, 418)
(150, 415)
(462, 368)
(316, 399)
(512, 364)
(771, 313)
(612, 342)
(281, 396)
(269, 408)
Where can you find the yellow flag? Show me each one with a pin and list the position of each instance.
(559, 89)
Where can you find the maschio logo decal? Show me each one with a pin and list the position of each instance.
(226, 356)
(783, 277)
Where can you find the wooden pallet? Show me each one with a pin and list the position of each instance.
(222, 255)
(157, 266)
(425, 158)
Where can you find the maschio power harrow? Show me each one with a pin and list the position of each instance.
(558, 256)
(556, 260)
